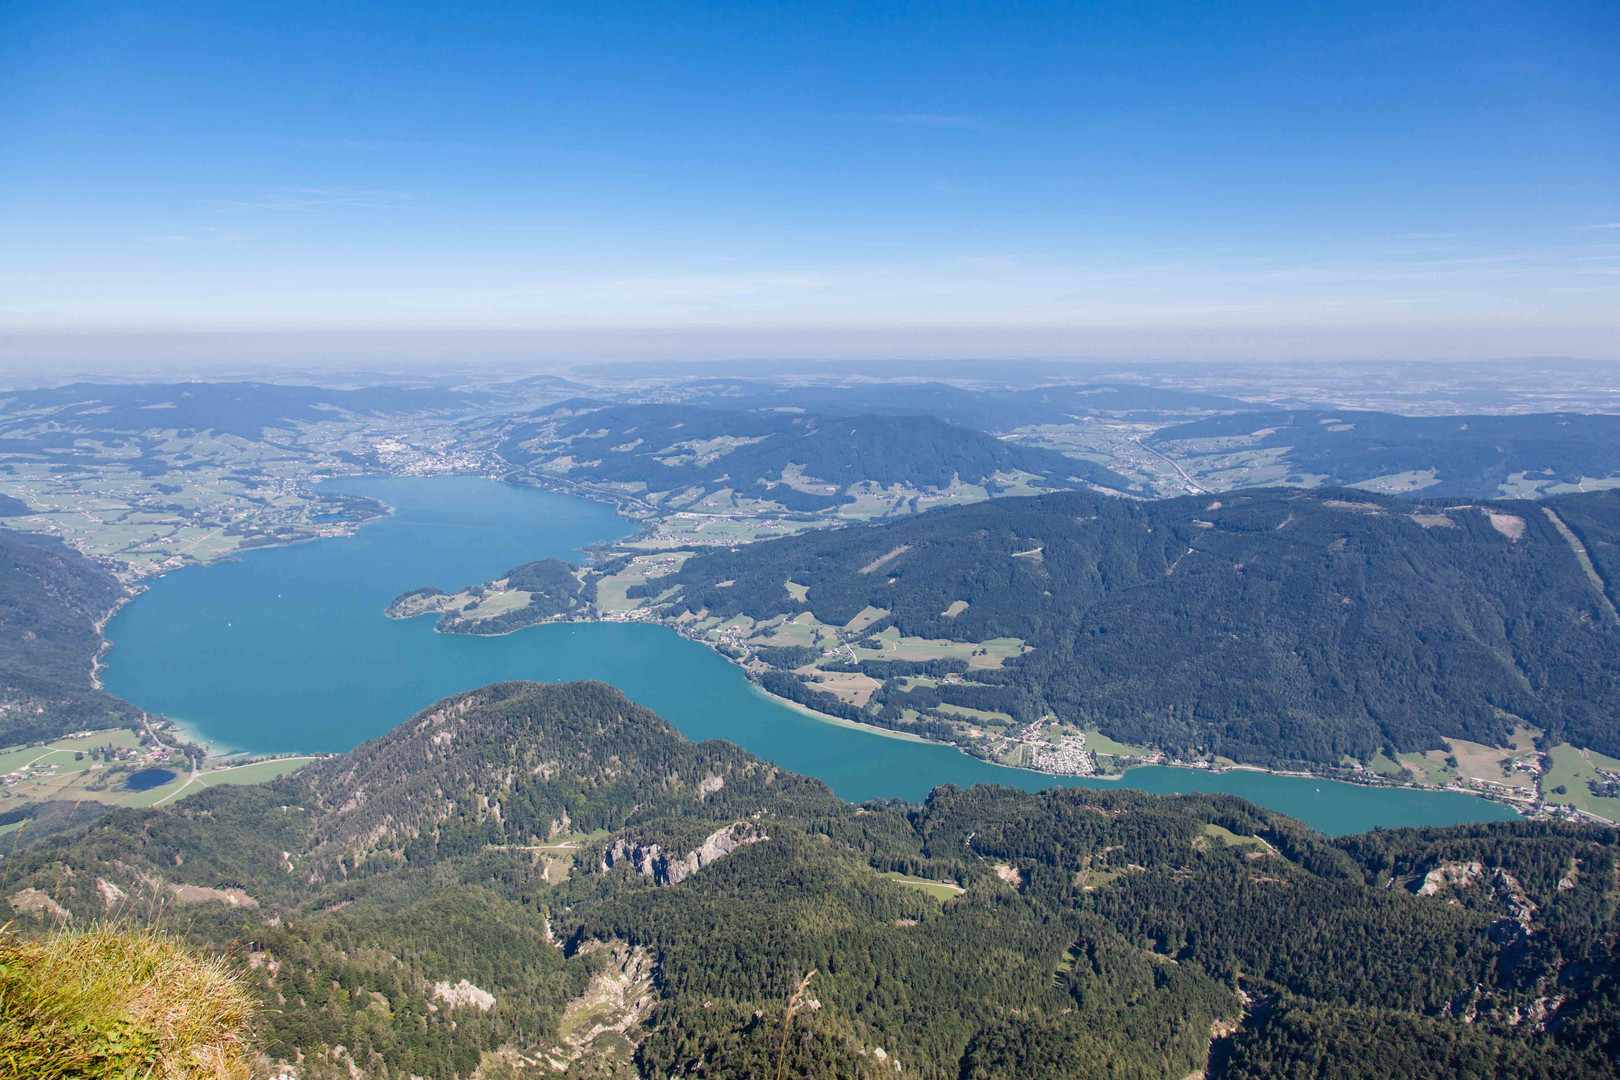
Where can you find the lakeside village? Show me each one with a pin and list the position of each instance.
(117, 750)
(1046, 750)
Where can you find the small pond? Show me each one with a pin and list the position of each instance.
(147, 779)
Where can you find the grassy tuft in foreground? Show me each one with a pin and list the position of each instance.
(114, 1002)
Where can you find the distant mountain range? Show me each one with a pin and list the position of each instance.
(1452, 456)
(803, 461)
(1214, 438)
(744, 433)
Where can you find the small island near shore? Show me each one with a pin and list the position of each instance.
(523, 596)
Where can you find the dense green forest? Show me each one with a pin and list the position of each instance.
(1472, 456)
(1270, 626)
(51, 601)
(507, 838)
(677, 447)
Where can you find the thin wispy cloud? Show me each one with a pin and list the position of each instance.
(1606, 225)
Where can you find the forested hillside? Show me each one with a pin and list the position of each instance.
(51, 601)
(1270, 626)
(800, 460)
(1468, 456)
(539, 880)
(524, 595)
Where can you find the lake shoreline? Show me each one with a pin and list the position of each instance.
(607, 549)
(621, 500)
(1360, 780)
(182, 664)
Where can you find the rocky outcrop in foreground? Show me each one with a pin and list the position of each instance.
(651, 860)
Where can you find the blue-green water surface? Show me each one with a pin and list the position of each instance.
(288, 649)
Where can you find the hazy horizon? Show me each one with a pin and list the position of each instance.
(195, 354)
(1136, 181)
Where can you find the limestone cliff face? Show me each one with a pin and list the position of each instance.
(651, 860)
(1504, 886)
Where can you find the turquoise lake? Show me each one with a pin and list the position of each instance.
(288, 649)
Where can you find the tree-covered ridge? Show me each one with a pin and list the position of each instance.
(1471, 456)
(523, 596)
(801, 460)
(1268, 626)
(524, 764)
(52, 602)
(1595, 524)
(1094, 933)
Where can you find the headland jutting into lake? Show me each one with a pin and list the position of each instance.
(287, 650)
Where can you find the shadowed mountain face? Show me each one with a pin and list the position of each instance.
(51, 600)
(1468, 456)
(549, 873)
(1265, 625)
(804, 461)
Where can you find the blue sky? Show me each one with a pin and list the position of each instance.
(753, 166)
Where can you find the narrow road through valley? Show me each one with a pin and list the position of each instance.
(1176, 465)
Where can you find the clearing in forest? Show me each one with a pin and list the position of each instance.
(939, 890)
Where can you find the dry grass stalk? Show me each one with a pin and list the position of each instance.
(111, 1002)
(794, 1005)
